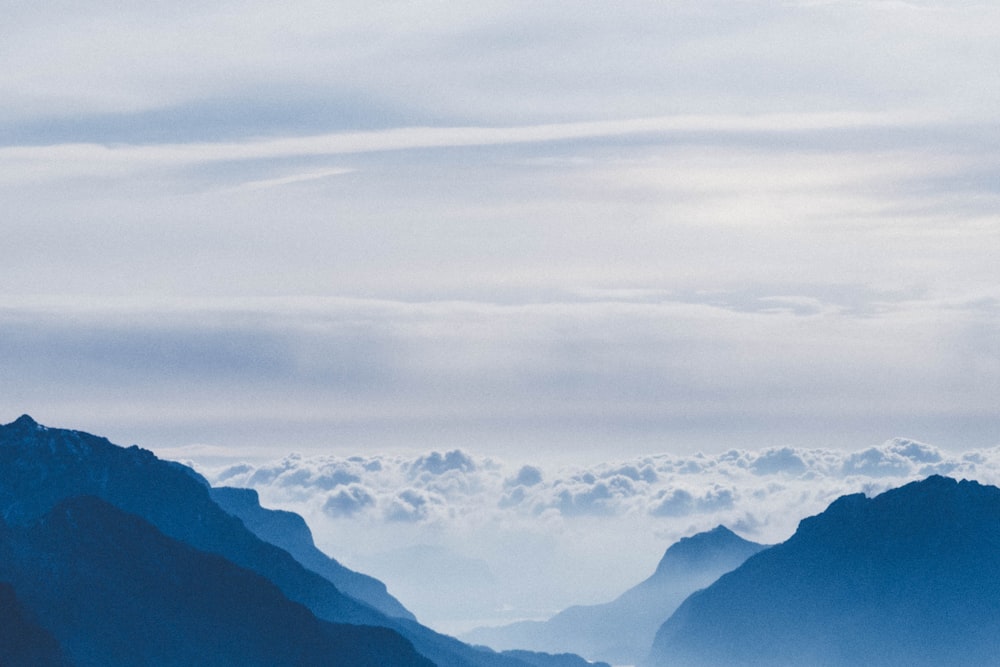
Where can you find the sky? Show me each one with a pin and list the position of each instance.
(550, 234)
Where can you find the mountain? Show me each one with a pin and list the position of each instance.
(41, 467)
(909, 577)
(621, 631)
(290, 532)
(113, 590)
(23, 642)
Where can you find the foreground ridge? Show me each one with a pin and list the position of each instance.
(63, 493)
(909, 577)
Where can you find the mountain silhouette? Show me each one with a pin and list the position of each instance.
(621, 631)
(41, 467)
(114, 590)
(290, 532)
(23, 642)
(909, 577)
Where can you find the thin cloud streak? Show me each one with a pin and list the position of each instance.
(289, 180)
(84, 158)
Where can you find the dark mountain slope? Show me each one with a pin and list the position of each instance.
(41, 466)
(910, 577)
(115, 591)
(290, 532)
(23, 642)
(621, 631)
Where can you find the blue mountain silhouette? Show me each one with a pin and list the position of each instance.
(23, 641)
(290, 532)
(909, 577)
(43, 468)
(621, 631)
(113, 590)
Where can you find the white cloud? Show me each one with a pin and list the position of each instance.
(573, 373)
(28, 163)
(553, 229)
(487, 509)
(501, 60)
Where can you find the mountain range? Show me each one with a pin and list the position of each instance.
(110, 556)
(621, 631)
(290, 532)
(113, 590)
(909, 577)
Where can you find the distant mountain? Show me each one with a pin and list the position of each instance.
(115, 591)
(421, 571)
(910, 577)
(621, 631)
(290, 532)
(41, 467)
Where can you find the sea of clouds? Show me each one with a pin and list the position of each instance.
(466, 540)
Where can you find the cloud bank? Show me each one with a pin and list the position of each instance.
(524, 523)
(592, 373)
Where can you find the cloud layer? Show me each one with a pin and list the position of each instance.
(524, 523)
(621, 372)
(349, 63)
(548, 233)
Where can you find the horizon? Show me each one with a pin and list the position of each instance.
(520, 228)
(564, 240)
(435, 526)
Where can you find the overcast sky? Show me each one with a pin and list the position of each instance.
(549, 234)
(570, 226)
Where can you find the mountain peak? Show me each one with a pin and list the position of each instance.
(25, 422)
(714, 543)
(907, 577)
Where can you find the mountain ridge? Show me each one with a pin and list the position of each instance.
(290, 532)
(908, 577)
(115, 591)
(622, 630)
(41, 466)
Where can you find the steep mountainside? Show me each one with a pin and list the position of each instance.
(23, 641)
(114, 591)
(290, 532)
(910, 577)
(622, 631)
(41, 467)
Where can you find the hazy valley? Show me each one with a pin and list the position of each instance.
(111, 556)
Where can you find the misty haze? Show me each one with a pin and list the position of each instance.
(499, 334)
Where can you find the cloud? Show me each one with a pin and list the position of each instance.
(773, 461)
(438, 464)
(525, 521)
(408, 505)
(526, 476)
(458, 487)
(291, 179)
(348, 501)
(674, 503)
(83, 159)
(492, 61)
(604, 369)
